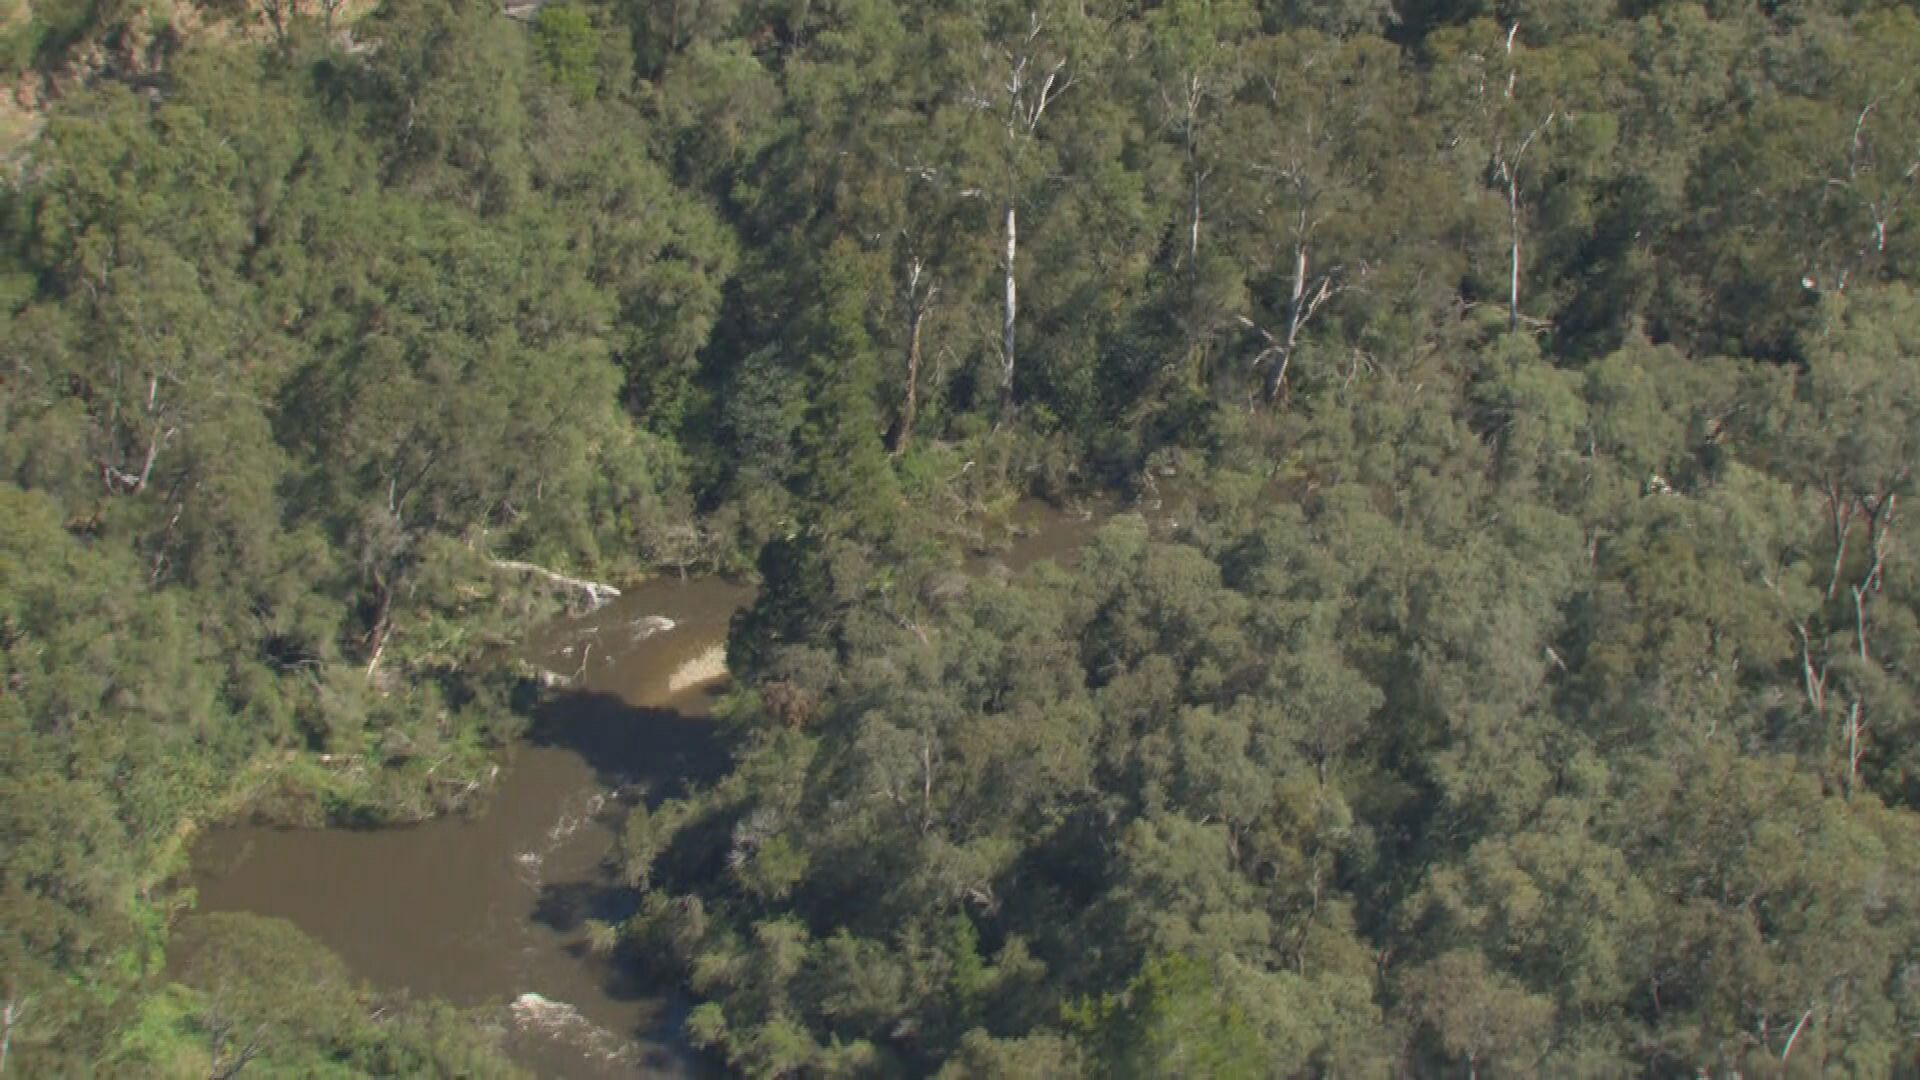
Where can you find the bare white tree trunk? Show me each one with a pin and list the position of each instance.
(1854, 708)
(382, 629)
(1880, 512)
(1011, 308)
(1029, 94)
(1816, 680)
(10, 1015)
(1513, 255)
(1193, 232)
(1296, 301)
(1886, 205)
(911, 402)
(1507, 169)
(1843, 512)
(1303, 300)
(926, 782)
(1194, 171)
(1853, 745)
(121, 482)
(1787, 1050)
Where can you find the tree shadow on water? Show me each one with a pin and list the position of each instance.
(658, 1043)
(659, 750)
(566, 906)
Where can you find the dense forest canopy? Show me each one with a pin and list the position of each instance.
(1516, 670)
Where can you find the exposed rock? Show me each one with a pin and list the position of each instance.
(648, 625)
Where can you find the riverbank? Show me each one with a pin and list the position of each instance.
(486, 908)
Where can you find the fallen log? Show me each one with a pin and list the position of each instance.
(597, 593)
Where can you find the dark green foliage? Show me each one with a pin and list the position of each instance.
(277, 388)
(1499, 753)
(1510, 671)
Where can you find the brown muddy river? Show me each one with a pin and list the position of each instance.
(480, 910)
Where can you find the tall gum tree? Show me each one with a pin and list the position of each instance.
(1194, 62)
(1192, 48)
(1006, 66)
(1306, 149)
(868, 92)
(1807, 186)
(1500, 117)
(1869, 173)
(439, 332)
(1851, 438)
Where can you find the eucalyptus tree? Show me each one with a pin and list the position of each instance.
(1847, 438)
(1852, 85)
(1005, 67)
(1192, 63)
(1309, 145)
(447, 82)
(1808, 190)
(1506, 113)
(664, 31)
(867, 92)
(408, 360)
(1193, 49)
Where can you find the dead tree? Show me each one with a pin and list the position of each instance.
(1303, 301)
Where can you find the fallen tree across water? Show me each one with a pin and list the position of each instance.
(597, 593)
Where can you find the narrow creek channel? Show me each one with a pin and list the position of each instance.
(482, 909)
